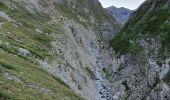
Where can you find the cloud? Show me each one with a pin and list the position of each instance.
(131, 4)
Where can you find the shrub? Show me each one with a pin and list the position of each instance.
(7, 65)
(3, 96)
(91, 73)
(167, 77)
(159, 63)
(126, 85)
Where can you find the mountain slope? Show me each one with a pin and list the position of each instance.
(38, 37)
(143, 48)
(20, 46)
(121, 14)
(57, 50)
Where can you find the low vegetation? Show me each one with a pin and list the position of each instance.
(90, 72)
(142, 24)
(167, 78)
(21, 77)
(74, 11)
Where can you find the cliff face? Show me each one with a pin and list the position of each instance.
(121, 14)
(57, 36)
(55, 49)
(143, 47)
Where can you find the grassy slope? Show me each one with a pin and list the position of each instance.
(141, 23)
(72, 11)
(32, 81)
(148, 25)
(21, 78)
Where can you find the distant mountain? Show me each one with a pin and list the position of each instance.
(121, 14)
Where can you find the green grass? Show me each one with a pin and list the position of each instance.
(143, 25)
(61, 82)
(22, 34)
(167, 78)
(96, 12)
(68, 11)
(122, 45)
(30, 73)
(37, 43)
(4, 97)
(7, 65)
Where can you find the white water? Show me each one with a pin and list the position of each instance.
(100, 85)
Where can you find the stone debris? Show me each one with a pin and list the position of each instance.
(24, 52)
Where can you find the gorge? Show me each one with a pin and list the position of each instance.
(76, 50)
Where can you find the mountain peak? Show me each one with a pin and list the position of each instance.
(120, 14)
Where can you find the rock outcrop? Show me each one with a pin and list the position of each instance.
(143, 45)
(54, 49)
(62, 38)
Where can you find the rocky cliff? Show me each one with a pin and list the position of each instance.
(44, 41)
(143, 48)
(54, 49)
(120, 14)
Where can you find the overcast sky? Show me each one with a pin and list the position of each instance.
(131, 4)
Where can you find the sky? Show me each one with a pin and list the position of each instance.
(131, 4)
